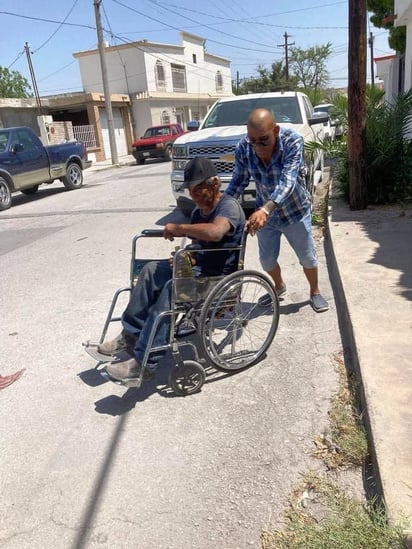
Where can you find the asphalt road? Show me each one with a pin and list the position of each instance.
(88, 463)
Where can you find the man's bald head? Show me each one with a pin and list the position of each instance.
(260, 119)
(262, 133)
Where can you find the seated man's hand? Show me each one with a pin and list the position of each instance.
(171, 230)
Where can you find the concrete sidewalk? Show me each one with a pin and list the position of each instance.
(372, 278)
(127, 160)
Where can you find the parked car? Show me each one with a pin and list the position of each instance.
(225, 125)
(332, 127)
(25, 163)
(156, 142)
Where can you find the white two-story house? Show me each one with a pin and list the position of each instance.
(164, 82)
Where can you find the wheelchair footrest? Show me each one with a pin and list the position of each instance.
(91, 350)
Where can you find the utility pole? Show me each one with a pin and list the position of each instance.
(286, 45)
(33, 79)
(358, 198)
(370, 42)
(106, 89)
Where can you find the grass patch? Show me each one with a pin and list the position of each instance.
(344, 442)
(322, 516)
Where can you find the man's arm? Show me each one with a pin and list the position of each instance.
(211, 232)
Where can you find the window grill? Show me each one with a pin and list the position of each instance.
(160, 76)
(219, 81)
(179, 78)
(85, 134)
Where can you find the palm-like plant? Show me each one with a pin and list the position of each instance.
(388, 147)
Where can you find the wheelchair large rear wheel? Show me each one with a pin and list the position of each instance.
(236, 326)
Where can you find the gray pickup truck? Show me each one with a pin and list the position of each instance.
(25, 163)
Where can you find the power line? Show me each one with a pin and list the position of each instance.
(47, 20)
(58, 28)
(177, 29)
(17, 58)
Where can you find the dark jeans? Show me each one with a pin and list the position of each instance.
(150, 297)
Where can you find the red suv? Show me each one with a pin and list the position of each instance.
(156, 142)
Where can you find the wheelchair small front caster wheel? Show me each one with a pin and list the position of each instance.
(188, 378)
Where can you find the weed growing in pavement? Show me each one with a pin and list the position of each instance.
(322, 516)
(344, 443)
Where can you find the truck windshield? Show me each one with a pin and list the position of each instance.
(158, 131)
(236, 112)
(322, 108)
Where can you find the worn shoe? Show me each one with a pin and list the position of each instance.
(122, 342)
(319, 303)
(266, 300)
(128, 370)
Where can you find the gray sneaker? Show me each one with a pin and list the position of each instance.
(128, 370)
(120, 343)
(319, 303)
(266, 300)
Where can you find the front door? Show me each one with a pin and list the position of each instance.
(119, 133)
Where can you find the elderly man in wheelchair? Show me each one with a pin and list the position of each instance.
(219, 298)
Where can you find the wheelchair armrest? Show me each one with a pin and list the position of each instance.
(193, 247)
(152, 232)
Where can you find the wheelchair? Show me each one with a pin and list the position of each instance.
(233, 324)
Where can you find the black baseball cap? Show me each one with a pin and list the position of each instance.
(198, 170)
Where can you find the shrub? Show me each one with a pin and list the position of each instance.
(388, 148)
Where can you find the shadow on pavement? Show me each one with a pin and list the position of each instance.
(391, 228)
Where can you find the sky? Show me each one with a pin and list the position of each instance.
(247, 32)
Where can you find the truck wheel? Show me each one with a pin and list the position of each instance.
(31, 190)
(74, 176)
(139, 161)
(5, 195)
(168, 152)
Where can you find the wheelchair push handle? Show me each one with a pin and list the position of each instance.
(152, 232)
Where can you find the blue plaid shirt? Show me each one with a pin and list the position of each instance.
(282, 181)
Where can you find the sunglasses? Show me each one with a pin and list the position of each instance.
(264, 142)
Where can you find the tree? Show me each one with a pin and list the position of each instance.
(309, 66)
(383, 17)
(13, 84)
(307, 70)
(269, 80)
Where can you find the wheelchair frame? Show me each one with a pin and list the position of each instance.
(223, 319)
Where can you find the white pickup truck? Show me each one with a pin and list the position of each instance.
(225, 125)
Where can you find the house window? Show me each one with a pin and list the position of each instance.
(165, 117)
(219, 81)
(194, 58)
(160, 76)
(179, 78)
